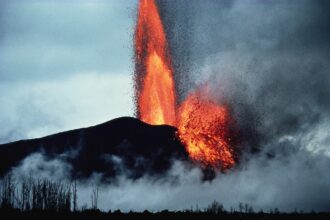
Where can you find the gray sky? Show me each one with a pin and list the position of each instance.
(64, 65)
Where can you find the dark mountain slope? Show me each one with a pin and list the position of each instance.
(123, 145)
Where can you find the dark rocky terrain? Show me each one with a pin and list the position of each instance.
(121, 145)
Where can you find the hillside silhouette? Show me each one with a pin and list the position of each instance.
(123, 145)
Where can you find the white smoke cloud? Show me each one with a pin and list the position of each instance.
(37, 165)
(297, 180)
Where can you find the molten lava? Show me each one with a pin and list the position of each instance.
(203, 125)
(156, 92)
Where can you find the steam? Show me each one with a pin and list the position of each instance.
(269, 62)
(288, 183)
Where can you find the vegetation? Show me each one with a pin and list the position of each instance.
(40, 194)
(43, 198)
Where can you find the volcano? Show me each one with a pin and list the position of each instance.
(204, 131)
(205, 126)
(121, 146)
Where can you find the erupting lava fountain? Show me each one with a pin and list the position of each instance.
(203, 125)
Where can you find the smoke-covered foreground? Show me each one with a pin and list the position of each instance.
(285, 174)
(260, 184)
(294, 181)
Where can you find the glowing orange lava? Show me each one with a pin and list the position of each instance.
(156, 96)
(203, 126)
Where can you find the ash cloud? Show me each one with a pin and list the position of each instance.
(269, 61)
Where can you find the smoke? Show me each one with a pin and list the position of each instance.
(37, 165)
(264, 188)
(260, 182)
(269, 61)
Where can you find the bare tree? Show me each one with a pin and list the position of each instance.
(8, 192)
(246, 208)
(240, 207)
(74, 195)
(40, 194)
(215, 208)
(95, 196)
(250, 210)
(26, 187)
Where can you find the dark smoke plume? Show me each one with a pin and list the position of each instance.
(269, 61)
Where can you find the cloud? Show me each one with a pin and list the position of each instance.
(42, 40)
(40, 108)
(63, 65)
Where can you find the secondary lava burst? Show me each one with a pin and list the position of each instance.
(203, 125)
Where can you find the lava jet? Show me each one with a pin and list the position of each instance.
(205, 127)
